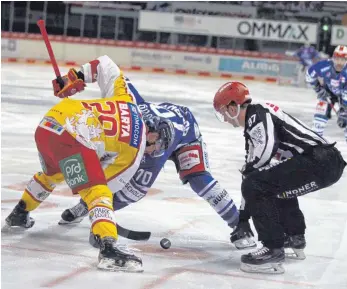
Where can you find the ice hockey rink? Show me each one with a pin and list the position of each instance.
(201, 256)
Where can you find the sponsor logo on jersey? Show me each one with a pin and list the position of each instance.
(335, 82)
(321, 107)
(41, 196)
(74, 171)
(271, 165)
(219, 197)
(189, 159)
(325, 68)
(52, 125)
(309, 187)
(137, 126)
(130, 124)
(100, 213)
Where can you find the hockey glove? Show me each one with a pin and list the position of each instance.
(69, 84)
(242, 236)
(322, 94)
(342, 118)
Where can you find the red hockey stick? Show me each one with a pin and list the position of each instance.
(41, 24)
(331, 105)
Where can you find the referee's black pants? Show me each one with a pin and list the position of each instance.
(318, 168)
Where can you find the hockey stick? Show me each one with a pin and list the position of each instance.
(331, 105)
(133, 235)
(41, 25)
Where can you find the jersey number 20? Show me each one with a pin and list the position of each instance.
(106, 115)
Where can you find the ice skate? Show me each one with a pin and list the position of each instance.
(242, 236)
(74, 215)
(19, 217)
(294, 247)
(114, 257)
(263, 260)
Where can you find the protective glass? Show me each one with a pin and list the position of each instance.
(224, 116)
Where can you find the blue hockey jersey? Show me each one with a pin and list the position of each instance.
(186, 131)
(323, 73)
(306, 55)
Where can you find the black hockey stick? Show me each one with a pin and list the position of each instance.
(133, 235)
(94, 240)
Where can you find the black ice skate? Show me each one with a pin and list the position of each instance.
(263, 260)
(19, 217)
(242, 236)
(114, 257)
(294, 247)
(74, 215)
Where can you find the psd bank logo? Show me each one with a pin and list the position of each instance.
(74, 171)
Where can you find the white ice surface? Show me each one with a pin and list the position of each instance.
(201, 256)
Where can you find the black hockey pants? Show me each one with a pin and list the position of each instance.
(313, 170)
(291, 217)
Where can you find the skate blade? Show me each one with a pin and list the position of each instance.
(270, 268)
(295, 254)
(13, 229)
(245, 243)
(76, 221)
(129, 266)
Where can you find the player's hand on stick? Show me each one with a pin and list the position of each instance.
(322, 93)
(68, 84)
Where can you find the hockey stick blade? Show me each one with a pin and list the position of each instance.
(133, 235)
(125, 233)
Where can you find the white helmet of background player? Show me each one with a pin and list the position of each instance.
(340, 57)
(234, 94)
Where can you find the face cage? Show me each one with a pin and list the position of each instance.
(227, 118)
(159, 148)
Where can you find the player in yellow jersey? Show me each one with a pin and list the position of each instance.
(96, 146)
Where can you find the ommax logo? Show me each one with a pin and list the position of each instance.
(268, 30)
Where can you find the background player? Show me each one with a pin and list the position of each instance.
(96, 146)
(315, 164)
(307, 56)
(187, 150)
(328, 79)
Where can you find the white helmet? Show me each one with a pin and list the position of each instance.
(340, 57)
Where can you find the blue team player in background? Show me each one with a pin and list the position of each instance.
(181, 142)
(329, 80)
(307, 55)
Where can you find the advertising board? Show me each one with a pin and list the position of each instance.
(299, 32)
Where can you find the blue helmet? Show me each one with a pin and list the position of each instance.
(166, 131)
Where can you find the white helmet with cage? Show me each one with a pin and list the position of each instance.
(340, 57)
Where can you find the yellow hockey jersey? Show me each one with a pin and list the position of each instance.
(112, 126)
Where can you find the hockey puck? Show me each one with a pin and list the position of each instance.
(165, 243)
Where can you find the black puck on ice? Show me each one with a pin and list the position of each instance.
(165, 243)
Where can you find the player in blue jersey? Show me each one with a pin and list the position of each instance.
(328, 79)
(185, 147)
(307, 56)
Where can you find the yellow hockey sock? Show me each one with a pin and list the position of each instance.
(39, 188)
(99, 200)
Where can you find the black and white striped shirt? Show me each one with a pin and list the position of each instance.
(269, 130)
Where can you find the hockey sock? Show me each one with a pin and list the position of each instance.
(38, 189)
(99, 201)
